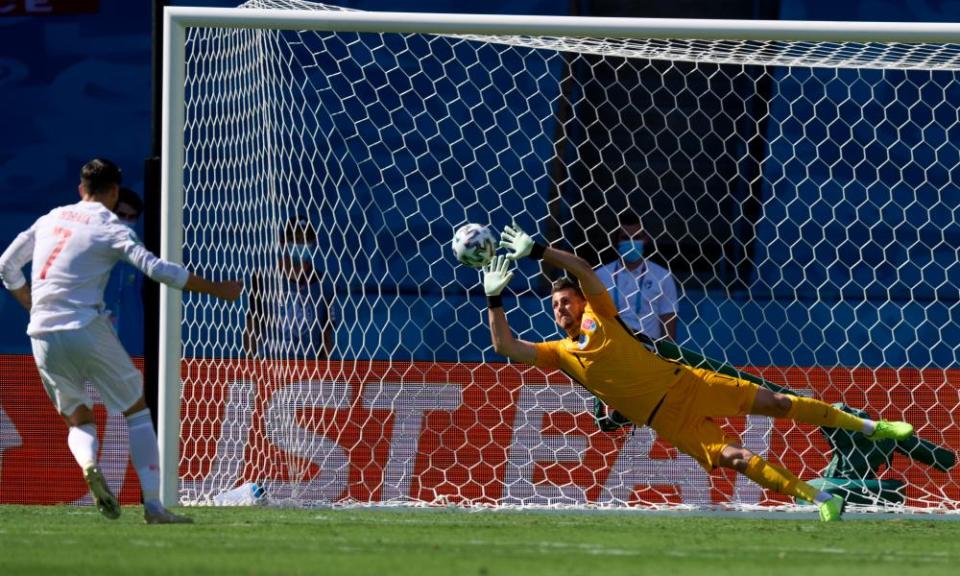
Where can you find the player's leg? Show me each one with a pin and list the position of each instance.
(56, 357)
(82, 437)
(689, 426)
(121, 386)
(779, 479)
(819, 413)
(146, 460)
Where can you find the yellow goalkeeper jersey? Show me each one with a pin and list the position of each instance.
(610, 362)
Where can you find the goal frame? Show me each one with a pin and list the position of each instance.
(177, 19)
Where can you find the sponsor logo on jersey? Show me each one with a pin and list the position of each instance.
(588, 324)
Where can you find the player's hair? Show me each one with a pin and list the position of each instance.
(131, 199)
(99, 175)
(629, 218)
(566, 283)
(298, 225)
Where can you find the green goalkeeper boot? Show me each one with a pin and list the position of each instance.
(832, 509)
(891, 431)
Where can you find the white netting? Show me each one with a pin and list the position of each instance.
(802, 194)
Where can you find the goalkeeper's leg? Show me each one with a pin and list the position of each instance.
(819, 413)
(780, 480)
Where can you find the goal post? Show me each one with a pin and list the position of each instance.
(795, 177)
(171, 249)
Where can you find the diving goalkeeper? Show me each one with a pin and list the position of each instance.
(677, 401)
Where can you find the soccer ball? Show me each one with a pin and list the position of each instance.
(473, 245)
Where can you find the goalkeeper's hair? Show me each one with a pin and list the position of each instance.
(566, 283)
(99, 175)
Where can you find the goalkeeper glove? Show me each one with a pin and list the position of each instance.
(517, 242)
(496, 275)
(608, 421)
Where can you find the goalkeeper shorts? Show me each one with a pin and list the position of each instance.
(686, 417)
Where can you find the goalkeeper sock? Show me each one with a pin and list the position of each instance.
(145, 454)
(83, 444)
(819, 413)
(773, 477)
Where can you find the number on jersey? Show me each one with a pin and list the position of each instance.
(64, 235)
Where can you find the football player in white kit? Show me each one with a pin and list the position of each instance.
(73, 249)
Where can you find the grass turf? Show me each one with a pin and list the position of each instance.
(74, 540)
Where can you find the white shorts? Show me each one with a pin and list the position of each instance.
(67, 359)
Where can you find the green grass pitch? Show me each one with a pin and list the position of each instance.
(75, 540)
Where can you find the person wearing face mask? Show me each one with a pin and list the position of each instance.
(289, 315)
(681, 403)
(645, 295)
(123, 295)
(645, 292)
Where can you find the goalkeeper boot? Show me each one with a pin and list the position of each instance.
(891, 431)
(832, 509)
(106, 502)
(157, 514)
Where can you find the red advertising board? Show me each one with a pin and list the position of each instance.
(448, 433)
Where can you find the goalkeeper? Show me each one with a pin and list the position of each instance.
(677, 401)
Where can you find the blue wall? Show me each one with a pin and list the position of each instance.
(72, 87)
(77, 86)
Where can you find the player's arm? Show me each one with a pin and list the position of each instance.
(12, 261)
(226, 290)
(496, 276)
(22, 295)
(170, 273)
(519, 244)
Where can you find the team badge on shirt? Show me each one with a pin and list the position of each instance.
(587, 325)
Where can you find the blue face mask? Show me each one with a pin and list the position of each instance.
(630, 250)
(300, 252)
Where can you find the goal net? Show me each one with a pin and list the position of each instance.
(801, 194)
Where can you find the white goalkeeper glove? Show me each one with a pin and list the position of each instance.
(517, 242)
(496, 275)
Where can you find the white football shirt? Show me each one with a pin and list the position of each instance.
(642, 295)
(73, 249)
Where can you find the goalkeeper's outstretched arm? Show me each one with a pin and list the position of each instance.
(519, 244)
(496, 276)
(503, 341)
(590, 283)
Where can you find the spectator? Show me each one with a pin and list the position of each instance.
(644, 292)
(289, 314)
(677, 401)
(123, 296)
